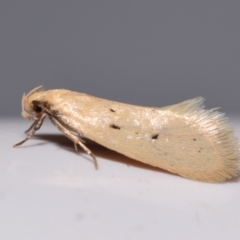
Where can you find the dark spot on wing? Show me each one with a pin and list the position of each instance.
(155, 136)
(115, 126)
(112, 110)
(194, 139)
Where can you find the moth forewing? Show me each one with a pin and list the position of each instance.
(184, 139)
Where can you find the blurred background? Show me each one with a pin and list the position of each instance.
(150, 53)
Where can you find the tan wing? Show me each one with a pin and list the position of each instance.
(184, 139)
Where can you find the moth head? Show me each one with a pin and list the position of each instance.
(32, 104)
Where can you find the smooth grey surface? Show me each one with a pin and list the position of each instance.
(142, 52)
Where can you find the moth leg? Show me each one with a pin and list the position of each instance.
(34, 127)
(76, 140)
(75, 145)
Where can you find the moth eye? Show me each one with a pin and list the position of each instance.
(37, 109)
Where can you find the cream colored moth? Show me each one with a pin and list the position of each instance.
(184, 138)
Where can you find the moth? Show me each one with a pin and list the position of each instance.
(184, 138)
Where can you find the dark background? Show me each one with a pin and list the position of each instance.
(150, 53)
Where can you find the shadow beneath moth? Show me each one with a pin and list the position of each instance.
(184, 138)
